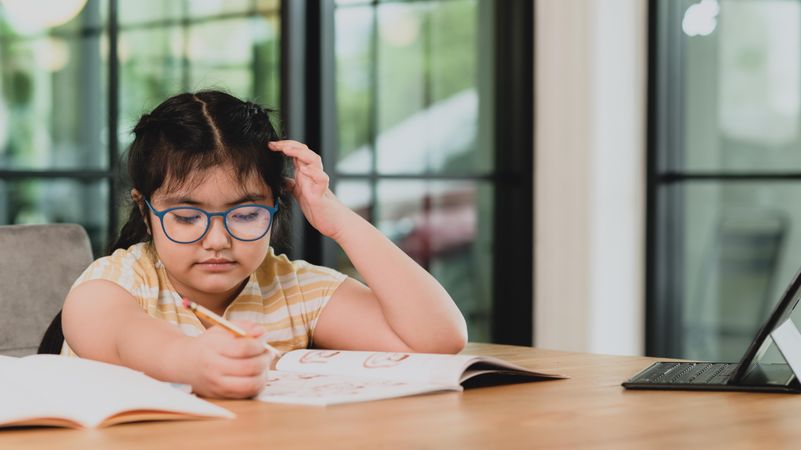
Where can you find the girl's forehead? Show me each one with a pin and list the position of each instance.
(213, 183)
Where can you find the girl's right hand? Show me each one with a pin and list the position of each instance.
(226, 366)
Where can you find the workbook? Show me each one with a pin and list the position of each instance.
(52, 390)
(328, 377)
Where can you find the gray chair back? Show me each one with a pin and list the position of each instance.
(38, 264)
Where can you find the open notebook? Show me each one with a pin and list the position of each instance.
(55, 390)
(326, 377)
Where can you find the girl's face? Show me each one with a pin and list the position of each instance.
(212, 270)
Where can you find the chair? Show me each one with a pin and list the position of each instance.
(38, 264)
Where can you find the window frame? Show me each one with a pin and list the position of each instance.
(309, 112)
(665, 224)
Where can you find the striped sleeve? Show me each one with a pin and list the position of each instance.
(124, 268)
(317, 284)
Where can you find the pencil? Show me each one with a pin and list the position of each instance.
(212, 317)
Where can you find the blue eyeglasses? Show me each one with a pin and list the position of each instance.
(187, 224)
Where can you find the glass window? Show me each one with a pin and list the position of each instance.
(238, 51)
(446, 226)
(726, 114)
(150, 69)
(734, 261)
(56, 106)
(58, 201)
(741, 90)
(427, 115)
(413, 151)
(358, 196)
(144, 11)
(43, 75)
(354, 85)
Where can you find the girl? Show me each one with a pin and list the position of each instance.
(208, 192)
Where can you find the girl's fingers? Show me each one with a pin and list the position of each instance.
(298, 151)
(317, 175)
(242, 348)
(247, 367)
(241, 387)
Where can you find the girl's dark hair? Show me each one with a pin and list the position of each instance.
(191, 132)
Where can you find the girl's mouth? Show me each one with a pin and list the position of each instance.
(216, 264)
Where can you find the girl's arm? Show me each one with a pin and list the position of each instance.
(404, 308)
(102, 321)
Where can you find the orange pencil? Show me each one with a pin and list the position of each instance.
(212, 317)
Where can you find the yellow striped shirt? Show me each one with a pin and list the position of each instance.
(286, 297)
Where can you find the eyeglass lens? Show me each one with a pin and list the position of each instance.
(190, 224)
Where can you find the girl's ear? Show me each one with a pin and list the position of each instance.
(136, 197)
(138, 200)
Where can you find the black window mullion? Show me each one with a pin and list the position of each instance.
(652, 303)
(664, 209)
(302, 104)
(512, 305)
(373, 130)
(324, 106)
(113, 119)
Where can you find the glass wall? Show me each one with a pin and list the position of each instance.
(414, 154)
(60, 92)
(726, 173)
(432, 122)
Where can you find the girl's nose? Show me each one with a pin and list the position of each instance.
(217, 237)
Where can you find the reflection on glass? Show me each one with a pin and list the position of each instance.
(417, 78)
(57, 201)
(31, 18)
(240, 56)
(357, 196)
(742, 90)
(427, 68)
(454, 61)
(144, 11)
(401, 144)
(268, 6)
(149, 11)
(51, 98)
(354, 29)
(446, 226)
(210, 8)
(150, 70)
(734, 261)
(353, 2)
(54, 94)
(221, 52)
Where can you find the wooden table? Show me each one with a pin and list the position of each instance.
(590, 410)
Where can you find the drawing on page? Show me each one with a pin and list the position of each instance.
(384, 360)
(316, 386)
(318, 356)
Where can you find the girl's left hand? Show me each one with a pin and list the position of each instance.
(310, 188)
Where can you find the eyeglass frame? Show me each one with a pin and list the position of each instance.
(210, 215)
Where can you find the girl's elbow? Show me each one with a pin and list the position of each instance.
(454, 342)
(455, 346)
(459, 340)
(444, 343)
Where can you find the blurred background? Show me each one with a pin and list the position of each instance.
(408, 102)
(617, 176)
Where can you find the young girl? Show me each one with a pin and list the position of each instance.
(208, 191)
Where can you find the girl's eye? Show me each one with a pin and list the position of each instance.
(245, 216)
(187, 219)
